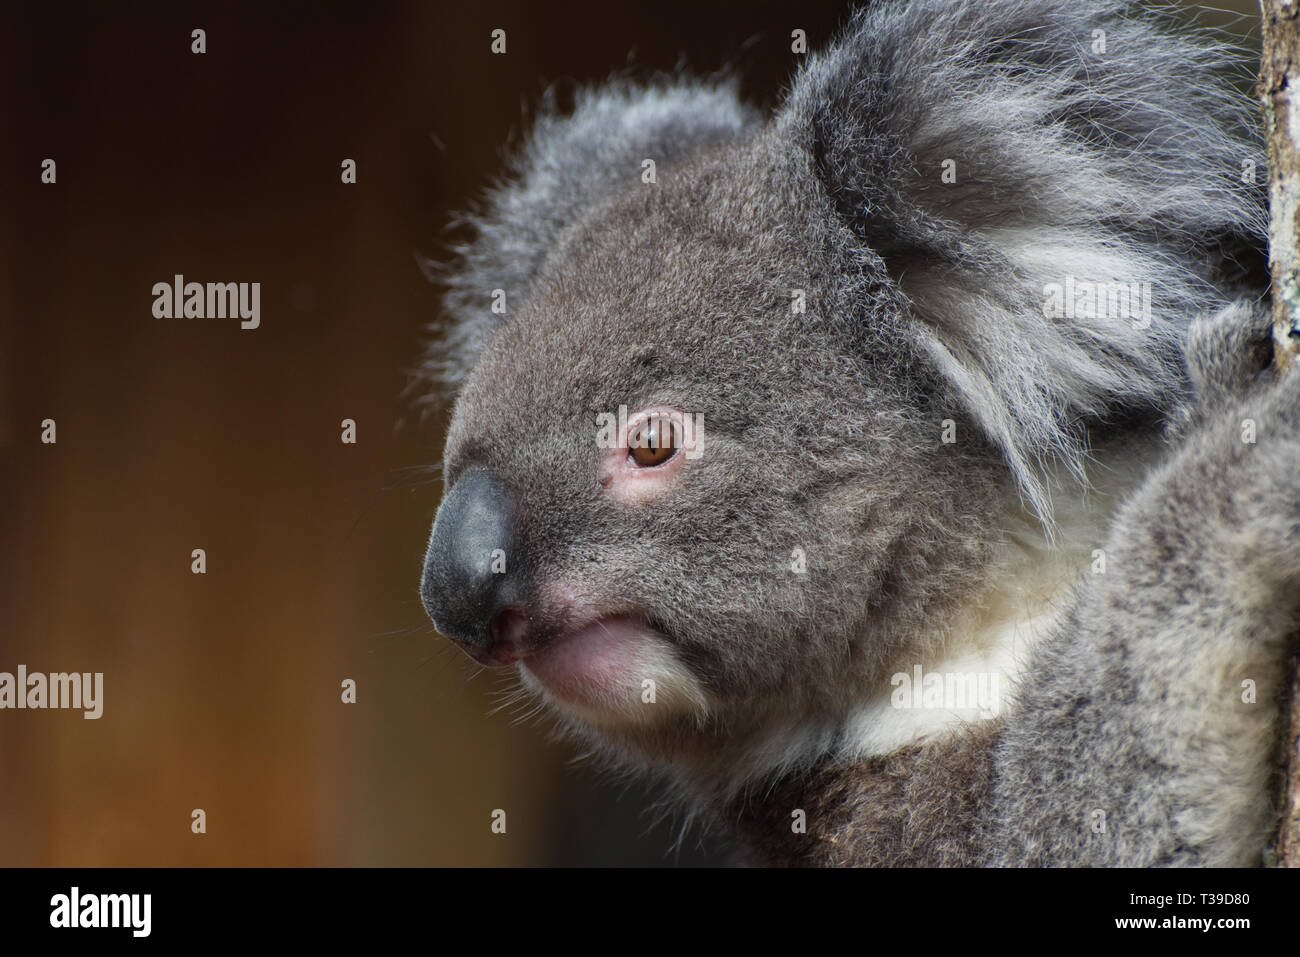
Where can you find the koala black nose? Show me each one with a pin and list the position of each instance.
(466, 569)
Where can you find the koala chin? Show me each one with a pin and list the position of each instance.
(907, 461)
(610, 672)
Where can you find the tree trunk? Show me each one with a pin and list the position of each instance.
(1279, 90)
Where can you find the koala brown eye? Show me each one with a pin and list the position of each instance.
(654, 442)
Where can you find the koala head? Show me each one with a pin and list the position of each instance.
(754, 414)
(675, 467)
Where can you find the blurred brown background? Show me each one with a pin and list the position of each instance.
(221, 691)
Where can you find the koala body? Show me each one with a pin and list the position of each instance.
(931, 384)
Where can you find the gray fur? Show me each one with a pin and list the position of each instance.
(566, 165)
(924, 303)
(1141, 698)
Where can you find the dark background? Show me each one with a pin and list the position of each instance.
(222, 691)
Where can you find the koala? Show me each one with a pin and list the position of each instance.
(898, 478)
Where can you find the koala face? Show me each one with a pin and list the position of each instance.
(673, 466)
(838, 312)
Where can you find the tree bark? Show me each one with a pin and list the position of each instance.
(1279, 91)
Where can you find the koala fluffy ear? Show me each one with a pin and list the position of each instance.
(567, 165)
(1081, 143)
